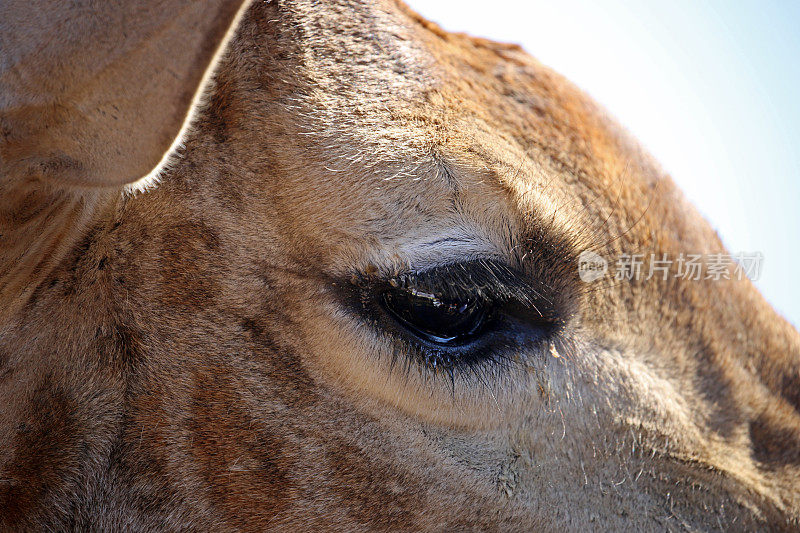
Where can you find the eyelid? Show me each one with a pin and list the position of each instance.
(461, 241)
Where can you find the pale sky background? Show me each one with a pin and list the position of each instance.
(712, 89)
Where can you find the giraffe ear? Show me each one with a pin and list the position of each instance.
(96, 93)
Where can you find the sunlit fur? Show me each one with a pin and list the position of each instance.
(189, 358)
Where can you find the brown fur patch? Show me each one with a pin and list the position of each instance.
(46, 451)
(247, 470)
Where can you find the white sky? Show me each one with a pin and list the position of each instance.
(710, 88)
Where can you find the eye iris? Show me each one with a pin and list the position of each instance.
(435, 319)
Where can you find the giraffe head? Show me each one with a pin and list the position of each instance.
(369, 291)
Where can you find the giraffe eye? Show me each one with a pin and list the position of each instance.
(457, 315)
(435, 318)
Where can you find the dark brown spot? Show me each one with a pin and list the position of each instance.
(374, 492)
(43, 452)
(790, 389)
(244, 465)
(290, 382)
(718, 390)
(217, 114)
(775, 437)
(190, 265)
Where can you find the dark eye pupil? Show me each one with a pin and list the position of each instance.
(435, 319)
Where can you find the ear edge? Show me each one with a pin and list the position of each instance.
(118, 124)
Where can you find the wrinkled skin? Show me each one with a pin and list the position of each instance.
(188, 355)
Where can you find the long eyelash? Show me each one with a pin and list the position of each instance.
(484, 279)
